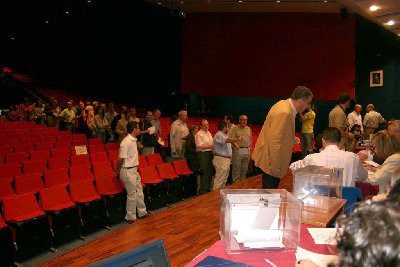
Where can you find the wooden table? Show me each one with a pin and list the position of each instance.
(323, 219)
(187, 229)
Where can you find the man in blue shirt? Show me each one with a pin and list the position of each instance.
(222, 155)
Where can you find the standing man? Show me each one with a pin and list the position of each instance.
(338, 119)
(157, 123)
(228, 119)
(222, 155)
(371, 120)
(128, 163)
(204, 148)
(354, 120)
(178, 133)
(149, 140)
(273, 150)
(241, 150)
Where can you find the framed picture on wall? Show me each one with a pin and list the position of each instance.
(376, 78)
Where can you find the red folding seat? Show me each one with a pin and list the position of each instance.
(7, 253)
(174, 182)
(48, 139)
(143, 161)
(62, 213)
(63, 144)
(155, 189)
(189, 181)
(16, 157)
(34, 166)
(23, 148)
(58, 163)
(44, 146)
(65, 135)
(102, 169)
(95, 141)
(6, 189)
(114, 164)
(154, 159)
(28, 183)
(78, 160)
(80, 173)
(5, 149)
(79, 137)
(113, 154)
(3, 135)
(56, 177)
(29, 141)
(19, 135)
(79, 142)
(90, 204)
(10, 141)
(111, 146)
(39, 155)
(52, 131)
(39, 126)
(60, 153)
(96, 148)
(115, 199)
(9, 171)
(38, 131)
(99, 157)
(31, 232)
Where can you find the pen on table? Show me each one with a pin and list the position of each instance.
(270, 263)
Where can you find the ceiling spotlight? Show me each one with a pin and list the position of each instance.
(373, 8)
(46, 22)
(278, 1)
(240, 1)
(66, 12)
(325, 1)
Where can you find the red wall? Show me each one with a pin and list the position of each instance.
(268, 54)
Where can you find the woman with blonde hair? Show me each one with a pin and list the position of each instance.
(386, 147)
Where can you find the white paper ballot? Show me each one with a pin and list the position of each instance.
(80, 150)
(372, 163)
(152, 129)
(260, 238)
(320, 259)
(323, 235)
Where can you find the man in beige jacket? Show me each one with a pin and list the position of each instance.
(273, 150)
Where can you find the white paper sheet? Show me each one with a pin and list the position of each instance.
(320, 259)
(323, 235)
(81, 150)
(372, 163)
(260, 238)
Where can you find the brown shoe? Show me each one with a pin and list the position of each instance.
(130, 221)
(144, 216)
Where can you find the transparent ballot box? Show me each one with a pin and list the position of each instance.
(255, 220)
(318, 187)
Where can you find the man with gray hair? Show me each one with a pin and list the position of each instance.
(371, 120)
(178, 133)
(273, 150)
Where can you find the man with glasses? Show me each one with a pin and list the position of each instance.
(273, 150)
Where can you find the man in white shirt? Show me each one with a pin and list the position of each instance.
(355, 117)
(332, 157)
(204, 148)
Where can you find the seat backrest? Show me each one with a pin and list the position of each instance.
(80, 173)
(56, 196)
(95, 141)
(9, 171)
(180, 166)
(113, 154)
(63, 144)
(96, 148)
(16, 157)
(23, 148)
(56, 177)
(107, 185)
(149, 174)
(34, 166)
(65, 134)
(102, 169)
(48, 139)
(82, 159)
(81, 137)
(21, 207)
(28, 183)
(83, 191)
(111, 146)
(154, 159)
(6, 189)
(99, 157)
(10, 141)
(39, 155)
(58, 163)
(166, 171)
(143, 161)
(44, 146)
(60, 152)
(352, 195)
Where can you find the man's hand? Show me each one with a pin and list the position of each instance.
(297, 140)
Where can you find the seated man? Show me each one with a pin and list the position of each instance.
(332, 157)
